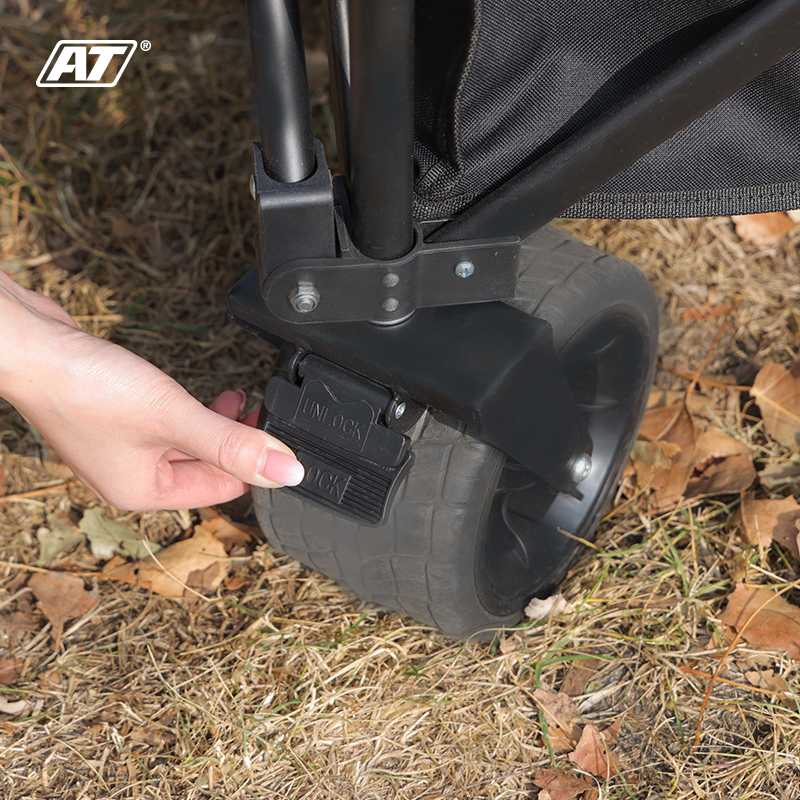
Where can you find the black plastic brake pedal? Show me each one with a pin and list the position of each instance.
(334, 422)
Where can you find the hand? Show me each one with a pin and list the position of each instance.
(133, 435)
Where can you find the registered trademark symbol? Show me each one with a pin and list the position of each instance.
(145, 45)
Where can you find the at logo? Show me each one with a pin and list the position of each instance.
(76, 63)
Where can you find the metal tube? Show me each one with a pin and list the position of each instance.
(382, 126)
(281, 89)
(337, 19)
(728, 60)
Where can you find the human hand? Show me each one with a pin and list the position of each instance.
(131, 433)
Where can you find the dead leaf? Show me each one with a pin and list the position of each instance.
(108, 536)
(152, 737)
(582, 671)
(510, 644)
(774, 627)
(61, 597)
(767, 521)
(563, 787)
(562, 717)
(767, 679)
(593, 754)
(729, 475)
(59, 535)
(9, 670)
(226, 532)
(17, 624)
(548, 607)
(762, 230)
(200, 563)
(666, 459)
(777, 392)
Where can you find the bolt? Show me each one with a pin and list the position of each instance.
(390, 304)
(304, 298)
(253, 186)
(390, 279)
(464, 269)
(581, 468)
(399, 410)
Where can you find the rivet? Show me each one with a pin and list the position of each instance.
(464, 269)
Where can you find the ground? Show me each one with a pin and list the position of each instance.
(130, 207)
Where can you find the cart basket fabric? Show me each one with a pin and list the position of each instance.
(499, 83)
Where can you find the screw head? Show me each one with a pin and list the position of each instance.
(399, 410)
(390, 279)
(253, 186)
(464, 269)
(390, 304)
(304, 298)
(581, 468)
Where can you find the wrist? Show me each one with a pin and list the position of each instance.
(29, 326)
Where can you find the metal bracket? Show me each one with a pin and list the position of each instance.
(492, 366)
(334, 282)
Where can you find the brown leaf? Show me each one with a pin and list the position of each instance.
(61, 597)
(17, 624)
(152, 737)
(582, 671)
(562, 717)
(767, 521)
(776, 626)
(762, 230)
(665, 466)
(729, 475)
(510, 644)
(563, 787)
(777, 392)
(9, 670)
(200, 563)
(226, 532)
(767, 679)
(593, 754)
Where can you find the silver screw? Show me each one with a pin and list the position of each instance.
(304, 298)
(400, 409)
(390, 279)
(253, 186)
(464, 269)
(581, 468)
(390, 304)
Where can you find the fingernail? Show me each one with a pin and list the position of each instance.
(242, 401)
(282, 468)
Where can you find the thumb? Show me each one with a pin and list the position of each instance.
(249, 454)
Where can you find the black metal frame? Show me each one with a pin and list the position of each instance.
(480, 364)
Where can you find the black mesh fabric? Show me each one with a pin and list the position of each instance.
(501, 82)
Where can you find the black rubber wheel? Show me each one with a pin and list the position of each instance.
(471, 537)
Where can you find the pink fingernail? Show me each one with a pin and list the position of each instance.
(282, 468)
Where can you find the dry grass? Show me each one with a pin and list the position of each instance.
(130, 207)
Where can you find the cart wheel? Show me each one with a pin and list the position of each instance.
(471, 535)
